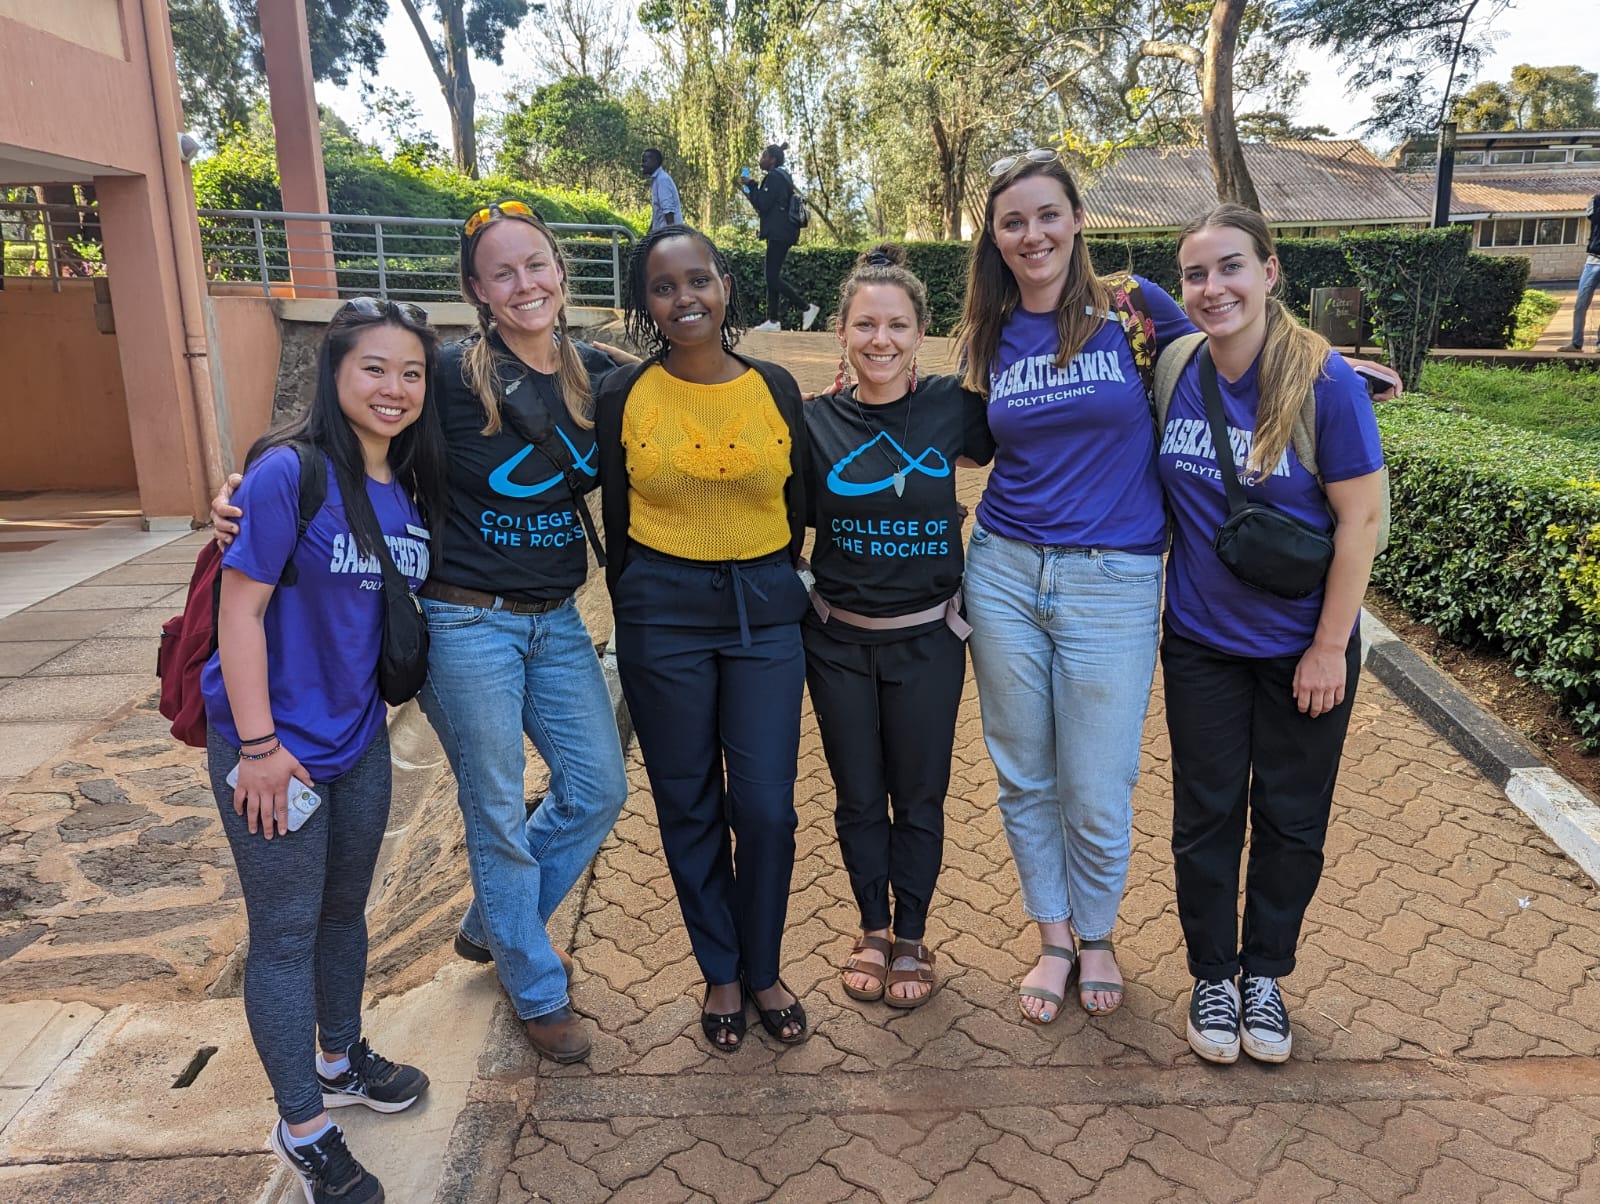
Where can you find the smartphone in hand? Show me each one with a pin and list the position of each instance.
(303, 801)
(1376, 382)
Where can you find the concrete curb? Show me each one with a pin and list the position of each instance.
(483, 1140)
(1559, 808)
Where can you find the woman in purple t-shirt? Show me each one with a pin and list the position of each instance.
(1063, 583)
(1258, 688)
(292, 705)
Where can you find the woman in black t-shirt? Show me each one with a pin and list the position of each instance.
(885, 642)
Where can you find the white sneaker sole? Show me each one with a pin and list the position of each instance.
(1213, 1051)
(1266, 1051)
(342, 1099)
(275, 1144)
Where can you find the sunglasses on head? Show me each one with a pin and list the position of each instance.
(1039, 154)
(374, 307)
(488, 213)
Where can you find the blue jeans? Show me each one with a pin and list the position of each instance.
(1064, 650)
(1587, 282)
(493, 676)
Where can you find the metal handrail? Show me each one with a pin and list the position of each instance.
(19, 220)
(407, 258)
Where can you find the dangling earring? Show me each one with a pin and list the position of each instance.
(911, 378)
(841, 382)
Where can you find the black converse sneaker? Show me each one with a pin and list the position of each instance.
(1214, 1020)
(380, 1084)
(328, 1172)
(1266, 1034)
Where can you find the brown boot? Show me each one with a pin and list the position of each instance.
(559, 1035)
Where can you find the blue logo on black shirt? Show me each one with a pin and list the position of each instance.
(500, 479)
(837, 484)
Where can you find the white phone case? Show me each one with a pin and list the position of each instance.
(303, 801)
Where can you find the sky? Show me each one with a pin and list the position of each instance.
(1540, 32)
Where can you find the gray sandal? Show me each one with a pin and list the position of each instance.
(1066, 955)
(1088, 986)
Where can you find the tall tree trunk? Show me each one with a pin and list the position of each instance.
(1216, 102)
(461, 95)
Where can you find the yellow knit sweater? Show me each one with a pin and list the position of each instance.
(706, 467)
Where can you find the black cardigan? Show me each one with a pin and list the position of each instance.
(609, 404)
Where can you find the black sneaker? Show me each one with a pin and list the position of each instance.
(1214, 1020)
(1266, 1021)
(328, 1172)
(380, 1084)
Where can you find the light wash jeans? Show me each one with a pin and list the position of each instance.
(493, 676)
(1064, 650)
(1587, 282)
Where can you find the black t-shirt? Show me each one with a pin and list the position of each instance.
(879, 552)
(511, 527)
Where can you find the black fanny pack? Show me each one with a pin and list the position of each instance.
(1260, 545)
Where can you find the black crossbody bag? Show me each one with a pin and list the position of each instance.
(544, 438)
(403, 652)
(1259, 544)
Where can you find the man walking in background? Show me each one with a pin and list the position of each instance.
(665, 208)
(1587, 281)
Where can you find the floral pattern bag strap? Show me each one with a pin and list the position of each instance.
(1138, 324)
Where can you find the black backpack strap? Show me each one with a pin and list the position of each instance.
(544, 438)
(313, 492)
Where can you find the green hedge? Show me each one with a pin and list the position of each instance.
(1497, 544)
(1481, 313)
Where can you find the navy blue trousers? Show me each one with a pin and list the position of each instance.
(712, 668)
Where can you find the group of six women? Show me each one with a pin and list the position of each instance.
(713, 467)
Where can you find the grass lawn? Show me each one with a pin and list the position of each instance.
(1554, 400)
(1533, 315)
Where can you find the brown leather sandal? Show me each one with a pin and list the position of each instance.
(873, 970)
(917, 951)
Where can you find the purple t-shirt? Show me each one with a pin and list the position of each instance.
(1205, 602)
(323, 632)
(1074, 461)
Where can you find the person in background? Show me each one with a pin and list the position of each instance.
(885, 651)
(292, 701)
(665, 207)
(779, 230)
(1587, 281)
(1258, 688)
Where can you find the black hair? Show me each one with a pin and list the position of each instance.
(652, 153)
(637, 322)
(416, 454)
(777, 152)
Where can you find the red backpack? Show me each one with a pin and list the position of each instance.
(189, 639)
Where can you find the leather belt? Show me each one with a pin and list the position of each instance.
(948, 610)
(454, 594)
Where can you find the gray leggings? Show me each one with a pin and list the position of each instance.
(306, 894)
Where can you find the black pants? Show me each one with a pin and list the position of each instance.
(1239, 742)
(887, 714)
(713, 672)
(779, 289)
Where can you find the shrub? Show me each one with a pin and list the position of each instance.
(1485, 299)
(1497, 543)
(1481, 311)
(1405, 275)
(1533, 314)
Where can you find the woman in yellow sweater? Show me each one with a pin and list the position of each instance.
(700, 457)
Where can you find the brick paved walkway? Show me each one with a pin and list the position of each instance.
(1446, 1009)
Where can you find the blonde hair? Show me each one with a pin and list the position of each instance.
(1293, 358)
(993, 296)
(480, 366)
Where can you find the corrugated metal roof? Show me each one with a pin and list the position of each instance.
(1299, 183)
(1557, 192)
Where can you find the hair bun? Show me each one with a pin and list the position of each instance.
(884, 255)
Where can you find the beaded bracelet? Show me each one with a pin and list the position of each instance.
(259, 739)
(244, 756)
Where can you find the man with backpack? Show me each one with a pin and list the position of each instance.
(783, 215)
(1588, 281)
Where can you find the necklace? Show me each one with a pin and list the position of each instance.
(899, 477)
